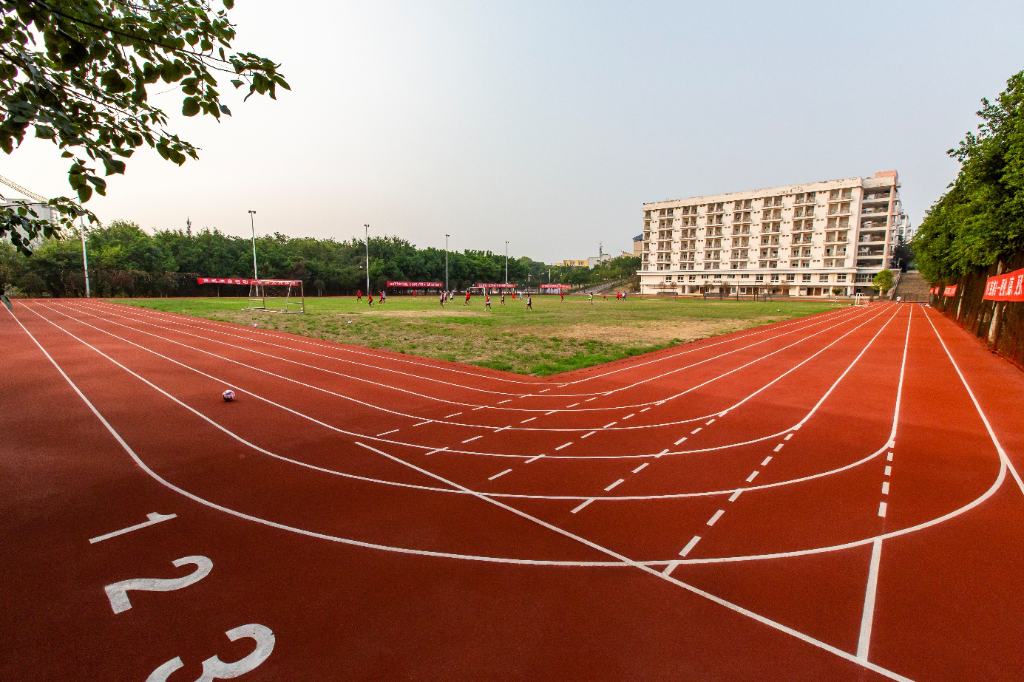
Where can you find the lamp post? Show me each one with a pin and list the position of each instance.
(506, 261)
(367, 226)
(446, 261)
(85, 260)
(252, 223)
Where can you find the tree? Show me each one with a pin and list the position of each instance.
(883, 281)
(86, 86)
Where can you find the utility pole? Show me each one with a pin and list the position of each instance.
(446, 261)
(252, 222)
(367, 226)
(506, 261)
(85, 259)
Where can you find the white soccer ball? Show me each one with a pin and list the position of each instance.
(228, 395)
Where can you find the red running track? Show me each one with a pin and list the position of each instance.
(830, 498)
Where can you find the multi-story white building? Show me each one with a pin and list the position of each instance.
(801, 240)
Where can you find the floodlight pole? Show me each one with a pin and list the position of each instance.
(85, 259)
(367, 226)
(506, 261)
(446, 261)
(252, 223)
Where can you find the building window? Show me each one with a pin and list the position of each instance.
(668, 278)
(840, 278)
(807, 277)
(822, 278)
(791, 277)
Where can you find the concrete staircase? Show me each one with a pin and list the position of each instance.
(912, 287)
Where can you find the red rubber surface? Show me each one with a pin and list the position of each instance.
(707, 512)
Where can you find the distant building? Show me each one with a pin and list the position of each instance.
(801, 240)
(638, 246)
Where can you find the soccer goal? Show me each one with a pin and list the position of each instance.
(858, 299)
(277, 296)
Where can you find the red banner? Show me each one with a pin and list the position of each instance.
(556, 286)
(484, 285)
(1008, 287)
(237, 280)
(415, 285)
(936, 291)
(950, 290)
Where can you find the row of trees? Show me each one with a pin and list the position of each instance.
(980, 220)
(124, 260)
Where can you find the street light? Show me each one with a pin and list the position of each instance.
(446, 261)
(252, 223)
(367, 226)
(506, 261)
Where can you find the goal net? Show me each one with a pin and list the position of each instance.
(277, 296)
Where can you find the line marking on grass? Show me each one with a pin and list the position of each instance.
(468, 440)
(689, 545)
(422, 423)
(609, 424)
(587, 435)
(885, 487)
(527, 420)
(387, 432)
(696, 430)
(766, 460)
(564, 445)
(680, 440)
(732, 498)
(718, 515)
(881, 509)
(752, 476)
(453, 414)
(779, 447)
(580, 508)
(888, 471)
(533, 459)
(640, 468)
(609, 488)
(498, 475)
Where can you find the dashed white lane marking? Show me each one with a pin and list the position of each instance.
(471, 439)
(640, 468)
(587, 435)
(502, 429)
(584, 504)
(422, 423)
(680, 440)
(696, 430)
(152, 518)
(885, 487)
(533, 459)
(573, 405)
(732, 498)
(551, 412)
(387, 432)
(881, 509)
(718, 515)
(788, 436)
(453, 414)
(502, 402)
(888, 457)
(609, 488)
(544, 390)
(663, 452)
(645, 409)
(752, 476)
(589, 399)
(671, 567)
(564, 445)
(527, 420)
(796, 428)
(709, 422)
(629, 416)
(498, 475)
(888, 471)
(766, 460)
(778, 447)
(437, 450)
(690, 545)
(479, 408)
(609, 424)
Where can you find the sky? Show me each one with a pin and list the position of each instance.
(549, 123)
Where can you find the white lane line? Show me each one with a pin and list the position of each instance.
(584, 504)
(609, 424)
(573, 405)
(453, 414)
(752, 476)
(689, 545)
(551, 412)
(645, 409)
(422, 423)
(797, 427)
(502, 429)
(868, 616)
(502, 402)
(696, 430)
(153, 517)
(533, 459)
(680, 440)
(885, 487)
(498, 475)
(766, 460)
(709, 422)
(881, 509)
(888, 458)
(778, 447)
(587, 435)
(478, 408)
(387, 432)
(437, 450)
(468, 440)
(609, 488)
(527, 420)
(671, 567)
(629, 416)
(564, 445)
(888, 471)
(640, 468)
(788, 436)
(732, 498)
(718, 515)
(663, 452)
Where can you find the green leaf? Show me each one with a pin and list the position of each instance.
(190, 107)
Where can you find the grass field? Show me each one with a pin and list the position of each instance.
(557, 336)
